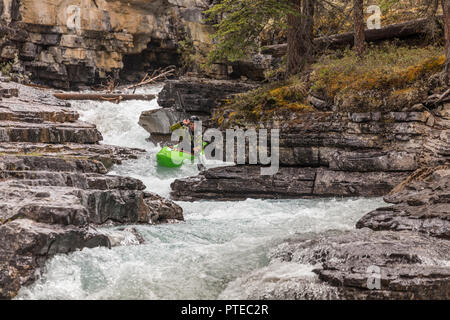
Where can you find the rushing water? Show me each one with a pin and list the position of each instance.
(196, 259)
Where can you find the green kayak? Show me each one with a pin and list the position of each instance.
(171, 158)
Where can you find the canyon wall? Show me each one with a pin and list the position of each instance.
(73, 43)
(54, 187)
(328, 154)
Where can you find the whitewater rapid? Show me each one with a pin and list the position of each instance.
(197, 259)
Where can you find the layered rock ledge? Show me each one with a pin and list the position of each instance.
(334, 154)
(54, 187)
(74, 44)
(421, 205)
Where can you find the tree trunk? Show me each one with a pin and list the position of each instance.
(358, 18)
(446, 9)
(300, 37)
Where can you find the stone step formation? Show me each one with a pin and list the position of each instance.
(334, 154)
(54, 189)
(403, 156)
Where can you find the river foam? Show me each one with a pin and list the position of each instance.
(218, 243)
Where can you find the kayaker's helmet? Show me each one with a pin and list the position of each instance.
(194, 119)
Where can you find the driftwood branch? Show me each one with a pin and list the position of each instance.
(399, 30)
(146, 80)
(118, 97)
(436, 99)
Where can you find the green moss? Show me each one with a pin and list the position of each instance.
(265, 103)
(374, 81)
(387, 78)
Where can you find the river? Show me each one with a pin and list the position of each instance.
(196, 259)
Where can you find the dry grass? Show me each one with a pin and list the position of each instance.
(271, 101)
(387, 78)
(383, 76)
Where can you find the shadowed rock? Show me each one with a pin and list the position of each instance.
(242, 182)
(27, 244)
(422, 204)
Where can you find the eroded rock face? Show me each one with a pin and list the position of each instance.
(340, 154)
(404, 255)
(422, 205)
(242, 182)
(199, 96)
(73, 43)
(411, 265)
(54, 188)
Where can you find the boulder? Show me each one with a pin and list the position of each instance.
(158, 123)
(27, 244)
(422, 204)
(194, 96)
(360, 264)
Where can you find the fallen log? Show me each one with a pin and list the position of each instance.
(116, 97)
(399, 30)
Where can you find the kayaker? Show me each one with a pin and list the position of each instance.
(189, 128)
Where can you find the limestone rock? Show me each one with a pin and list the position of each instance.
(199, 97)
(422, 205)
(26, 245)
(54, 188)
(242, 182)
(345, 154)
(410, 266)
(158, 122)
(72, 44)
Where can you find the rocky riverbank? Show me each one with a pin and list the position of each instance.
(54, 190)
(334, 154)
(400, 252)
(406, 246)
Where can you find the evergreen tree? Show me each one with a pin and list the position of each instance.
(240, 23)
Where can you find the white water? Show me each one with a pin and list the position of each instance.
(219, 242)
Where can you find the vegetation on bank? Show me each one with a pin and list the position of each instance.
(243, 27)
(7, 66)
(386, 78)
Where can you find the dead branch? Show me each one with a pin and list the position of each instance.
(166, 72)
